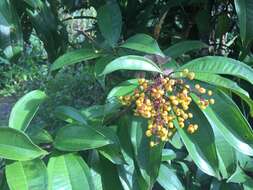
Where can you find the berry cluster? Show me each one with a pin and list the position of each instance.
(164, 100)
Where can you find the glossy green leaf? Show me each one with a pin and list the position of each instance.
(143, 43)
(24, 110)
(110, 22)
(220, 65)
(148, 159)
(76, 138)
(39, 135)
(226, 154)
(183, 47)
(70, 115)
(27, 175)
(227, 118)
(105, 172)
(129, 174)
(168, 178)
(74, 57)
(244, 10)
(124, 88)
(201, 144)
(227, 84)
(131, 62)
(168, 154)
(69, 172)
(15, 145)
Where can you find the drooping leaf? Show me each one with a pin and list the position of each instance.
(27, 175)
(143, 43)
(220, 65)
(148, 159)
(70, 115)
(110, 22)
(69, 172)
(74, 57)
(24, 110)
(227, 118)
(76, 138)
(227, 84)
(244, 10)
(183, 47)
(15, 145)
(201, 144)
(168, 178)
(131, 62)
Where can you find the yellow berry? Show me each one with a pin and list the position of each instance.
(210, 93)
(211, 101)
(191, 75)
(152, 144)
(197, 86)
(195, 127)
(191, 129)
(181, 124)
(148, 133)
(185, 71)
(190, 115)
(202, 90)
(170, 125)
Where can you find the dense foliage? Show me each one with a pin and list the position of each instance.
(126, 95)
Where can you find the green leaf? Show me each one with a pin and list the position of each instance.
(74, 57)
(39, 135)
(226, 154)
(143, 43)
(226, 116)
(70, 115)
(15, 145)
(201, 144)
(220, 65)
(76, 138)
(129, 173)
(105, 173)
(27, 175)
(24, 110)
(11, 32)
(124, 88)
(168, 179)
(244, 10)
(69, 172)
(131, 62)
(227, 84)
(148, 159)
(183, 47)
(168, 154)
(110, 22)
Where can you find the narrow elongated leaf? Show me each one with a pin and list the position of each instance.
(148, 159)
(69, 172)
(27, 175)
(183, 47)
(244, 10)
(70, 115)
(76, 138)
(131, 62)
(168, 178)
(227, 84)
(74, 57)
(24, 110)
(226, 155)
(201, 144)
(123, 89)
(110, 22)
(227, 118)
(220, 65)
(143, 43)
(15, 145)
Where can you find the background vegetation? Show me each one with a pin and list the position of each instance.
(68, 133)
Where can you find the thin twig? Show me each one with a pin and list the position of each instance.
(79, 17)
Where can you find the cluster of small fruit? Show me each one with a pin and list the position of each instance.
(164, 101)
